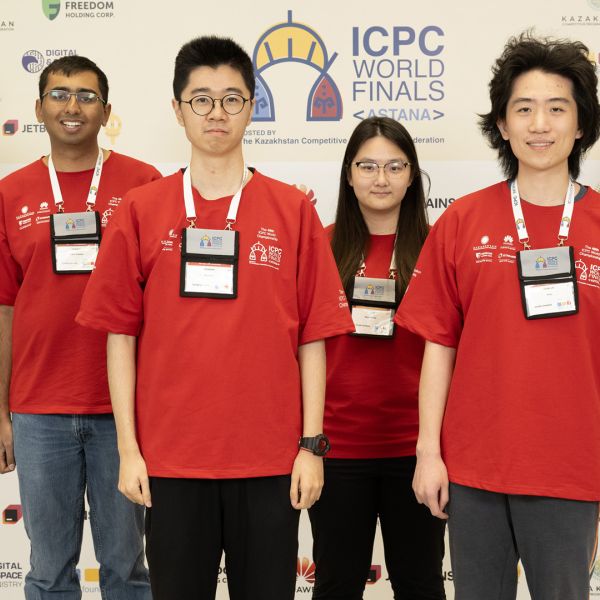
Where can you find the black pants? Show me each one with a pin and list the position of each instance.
(192, 521)
(343, 523)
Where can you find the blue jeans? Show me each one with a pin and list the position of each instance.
(58, 458)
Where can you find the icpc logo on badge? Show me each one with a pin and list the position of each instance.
(33, 61)
(51, 8)
(294, 42)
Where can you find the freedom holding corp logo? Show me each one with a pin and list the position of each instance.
(51, 8)
(79, 9)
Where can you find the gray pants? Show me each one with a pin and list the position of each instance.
(489, 532)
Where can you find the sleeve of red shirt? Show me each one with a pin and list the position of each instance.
(10, 272)
(322, 304)
(431, 306)
(113, 297)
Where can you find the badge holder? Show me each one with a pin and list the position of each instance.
(209, 263)
(75, 240)
(548, 282)
(373, 305)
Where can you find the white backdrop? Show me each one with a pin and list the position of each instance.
(321, 68)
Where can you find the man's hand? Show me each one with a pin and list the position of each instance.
(133, 479)
(7, 455)
(307, 480)
(430, 484)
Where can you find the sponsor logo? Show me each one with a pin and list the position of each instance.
(12, 514)
(374, 574)
(7, 25)
(113, 128)
(485, 239)
(11, 574)
(305, 575)
(79, 9)
(508, 239)
(33, 61)
(439, 202)
(309, 193)
(10, 127)
(295, 42)
(51, 8)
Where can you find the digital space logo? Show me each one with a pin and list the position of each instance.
(11, 574)
(34, 61)
(295, 42)
(398, 72)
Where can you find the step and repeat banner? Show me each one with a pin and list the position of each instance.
(321, 68)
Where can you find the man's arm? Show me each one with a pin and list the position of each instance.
(7, 456)
(430, 482)
(133, 477)
(307, 473)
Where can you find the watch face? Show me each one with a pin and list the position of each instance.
(322, 445)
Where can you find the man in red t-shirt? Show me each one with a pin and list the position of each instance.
(506, 292)
(53, 371)
(217, 287)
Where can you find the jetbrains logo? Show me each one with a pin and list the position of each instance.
(295, 42)
(51, 8)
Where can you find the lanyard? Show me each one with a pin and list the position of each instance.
(393, 272)
(188, 198)
(565, 221)
(91, 197)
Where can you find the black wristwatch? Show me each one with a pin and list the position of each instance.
(318, 445)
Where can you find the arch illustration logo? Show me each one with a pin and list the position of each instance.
(51, 8)
(295, 42)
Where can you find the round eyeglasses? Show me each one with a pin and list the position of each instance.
(63, 96)
(202, 105)
(370, 169)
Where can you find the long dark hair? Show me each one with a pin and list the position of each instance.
(350, 234)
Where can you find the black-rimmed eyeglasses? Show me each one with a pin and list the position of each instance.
(202, 105)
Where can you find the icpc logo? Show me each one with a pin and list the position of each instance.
(51, 8)
(294, 42)
(33, 61)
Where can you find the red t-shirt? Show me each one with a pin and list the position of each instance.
(371, 408)
(218, 385)
(57, 366)
(523, 412)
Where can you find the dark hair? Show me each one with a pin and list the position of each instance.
(211, 51)
(560, 57)
(350, 239)
(71, 65)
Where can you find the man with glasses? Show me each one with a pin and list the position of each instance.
(217, 287)
(52, 216)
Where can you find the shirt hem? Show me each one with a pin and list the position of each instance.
(525, 490)
(179, 473)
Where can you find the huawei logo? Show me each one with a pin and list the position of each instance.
(306, 569)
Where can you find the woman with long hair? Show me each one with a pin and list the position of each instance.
(371, 410)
